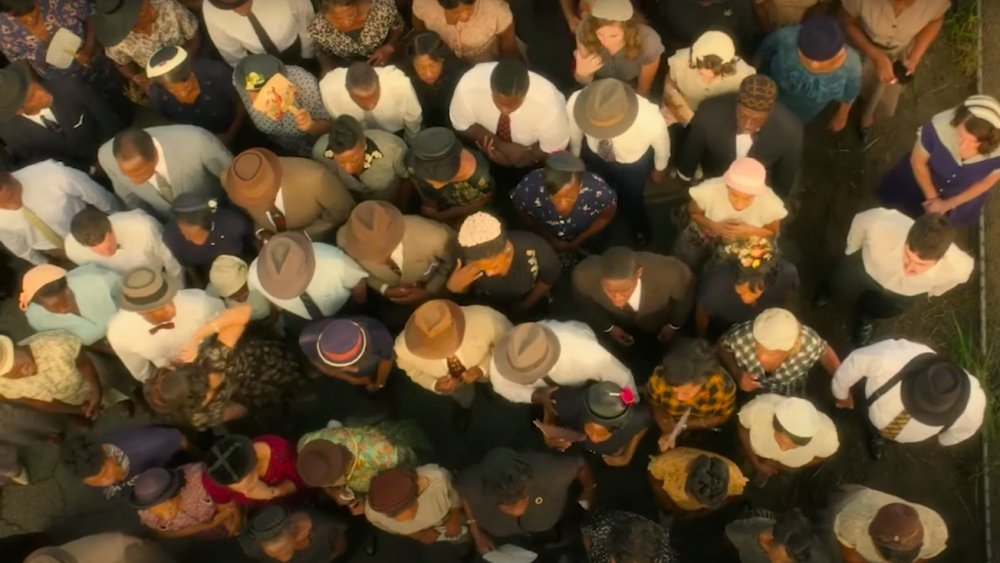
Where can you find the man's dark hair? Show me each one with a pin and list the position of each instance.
(506, 475)
(635, 540)
(361, 77)
(90, 226)
(794, 531)
(345, 134)
(83, 455)
(689, 361)
(509, 78)
(132, 143)
(51, 289)
(618, 263)
(930, 236)
(553, 180)
(452, 4)
(797, 440)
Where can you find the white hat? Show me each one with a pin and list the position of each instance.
(713, 43)
(985, 108)
(746, 175)
(798, 416)
(227, 275)
(6, 354)
(165, 60)
(776, 329)
(612, 10)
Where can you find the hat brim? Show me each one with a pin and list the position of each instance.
(309, 339)
(608, 131)
(442, 347)
(285, 286)
(23, 72)
(173, 286)
(169, 492)
(923, 409)
(113, 28)
(7, 344)
(507, 370)
(374, 248)
(259, 197)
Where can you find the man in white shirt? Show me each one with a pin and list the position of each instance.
(622, 138)
(379, 98)
(534, 356)
(508, 112)
(157, 320)
(308, 280)
(120, 242)
(891, 262)
(37, 204)
(911, 394)
(253, 27)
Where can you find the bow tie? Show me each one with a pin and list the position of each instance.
(159, 327)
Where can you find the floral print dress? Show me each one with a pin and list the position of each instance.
(195, 509)
(376, 448)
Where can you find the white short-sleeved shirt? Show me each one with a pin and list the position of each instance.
(713, 197)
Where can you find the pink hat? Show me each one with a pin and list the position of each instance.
(746, 175)
(37, 278)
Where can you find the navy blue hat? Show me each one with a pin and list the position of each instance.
(820, 38)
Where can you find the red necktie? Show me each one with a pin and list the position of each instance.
(503, 127)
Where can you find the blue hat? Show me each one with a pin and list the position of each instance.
(337, 343)
(820, 38)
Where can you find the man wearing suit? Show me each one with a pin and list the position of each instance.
(408, 258)
(749, 123)
(150, 167)
(54, 119)
(287, 194)
(623, 292)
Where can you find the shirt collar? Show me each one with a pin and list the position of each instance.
(397, 255)
(636, 298)
(161, 161)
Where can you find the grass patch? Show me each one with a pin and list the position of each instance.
(961, 27)
(979, 359)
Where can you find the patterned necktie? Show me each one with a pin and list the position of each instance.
(161, 326)
(43, 228)
(51, 124)
(896, 426)
(312, 309)
(265, 40)
(503, 127)
(166, 190)
(278, 219)
(455, 367)
(606, 150)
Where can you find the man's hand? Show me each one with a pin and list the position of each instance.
(847, 403)
(453, 526)
(911, 64)
(427, 536)
(587, 65)
(472, 374)
(749, 382)
(484, 544)
(446, 384)
(381, 55)
(303, 120)
(412, 294)
(561, 444)
(936, 205)
(465, 274)
(487, 145)
(666, 442)
(620, 336)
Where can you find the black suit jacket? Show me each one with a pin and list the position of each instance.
(711, 143)
(86, 119)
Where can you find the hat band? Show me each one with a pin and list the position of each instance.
(347, 358)
(151, 298)
(605, 122)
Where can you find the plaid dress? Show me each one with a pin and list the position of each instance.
(790, 377)
(717, 396)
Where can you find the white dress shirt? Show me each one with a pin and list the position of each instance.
(55, 193)
(160, 169)
(878, 363)
(581, 358)
(397, 108)
(635, 299)
(536, 121)
(46, 113)
(880, 234)
(744, 142)
(140, 243)
(284, 20)
(330, 287)
(140, 351)
(648, 130)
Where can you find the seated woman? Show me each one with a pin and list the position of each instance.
(750, 277)
(739, 204)
(690, 386)
(452, 181)
(687, 481)
(610, 536)
(761, 535)
(512, 271)
(565, 204)
(174, 504)
(251, 472)
(113, 460)
(356, 350)
(953, 166)
(419, 503)
(613, 41)
(870, 525)
(599, 417)
(477, 31)
(202, 231)
(708, 68)
(434, 71)
(521, 496)
(229, 378)
(295, 129)
(304, 536)
(351, 30)
(195, 92)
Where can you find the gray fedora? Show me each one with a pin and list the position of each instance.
(144, 289)
(115, 19)
(526, 353)
(606, 108)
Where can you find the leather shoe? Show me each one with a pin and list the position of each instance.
(876, 445)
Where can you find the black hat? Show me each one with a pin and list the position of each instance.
(707, 480)
(155, 486)
(263, 66)
(190, 202)
(268, 523)
(115, 19)
(435, 154)
(606, 404)
(230, 460)
(227, 4)
(565, 162)
(14, 80)
(936, 391)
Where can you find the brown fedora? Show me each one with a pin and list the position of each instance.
(144, 289)
(526, 353)
(286, 265)
(435, 330)
(253, 179)
(606, 108)
(373, 230)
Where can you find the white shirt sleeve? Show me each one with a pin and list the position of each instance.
(859, 364)
(303, 13)
(610, 368)
(413, 114)
(859, 228)
(575, 133)
(231, 49)
(140, 367)
(334, 82)
(661, 138)
(18, 245)
(160, 249)
(80, 185)
(513, 392)
(960, 266)
(461, 113)
(970, 420)
(555, 132)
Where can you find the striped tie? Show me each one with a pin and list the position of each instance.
(896, 426)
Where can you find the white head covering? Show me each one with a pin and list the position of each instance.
(713, 43)
(776, 329)
(227, 275)
(479, 228)
(798, 417)
(6, 354)
(985, 108)
(612, 10)
(165, 60)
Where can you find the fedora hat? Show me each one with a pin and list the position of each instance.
(526, 353)
(51, 555)
(286, 265)
(155, 486)
(606, 108)
(337, 343)
(14, 81)
(936, 391)
(435, 330)
(252, 180)
(374, 228)
(144, 289)
(230, 460)
(605, 405)
(114, 19)
(322, 463)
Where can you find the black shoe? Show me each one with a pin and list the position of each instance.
(370, 545)
(876, 445)
(863, 331)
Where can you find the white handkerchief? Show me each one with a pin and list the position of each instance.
(63, 48)
(510, 553)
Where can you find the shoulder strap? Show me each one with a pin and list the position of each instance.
(896, 379)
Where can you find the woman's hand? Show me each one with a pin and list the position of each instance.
(303, 119)
(937, 205)
(587, 64)
(883, 67)
(189, 353)
(381, 55)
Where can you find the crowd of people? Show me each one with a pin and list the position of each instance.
(372, 194)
